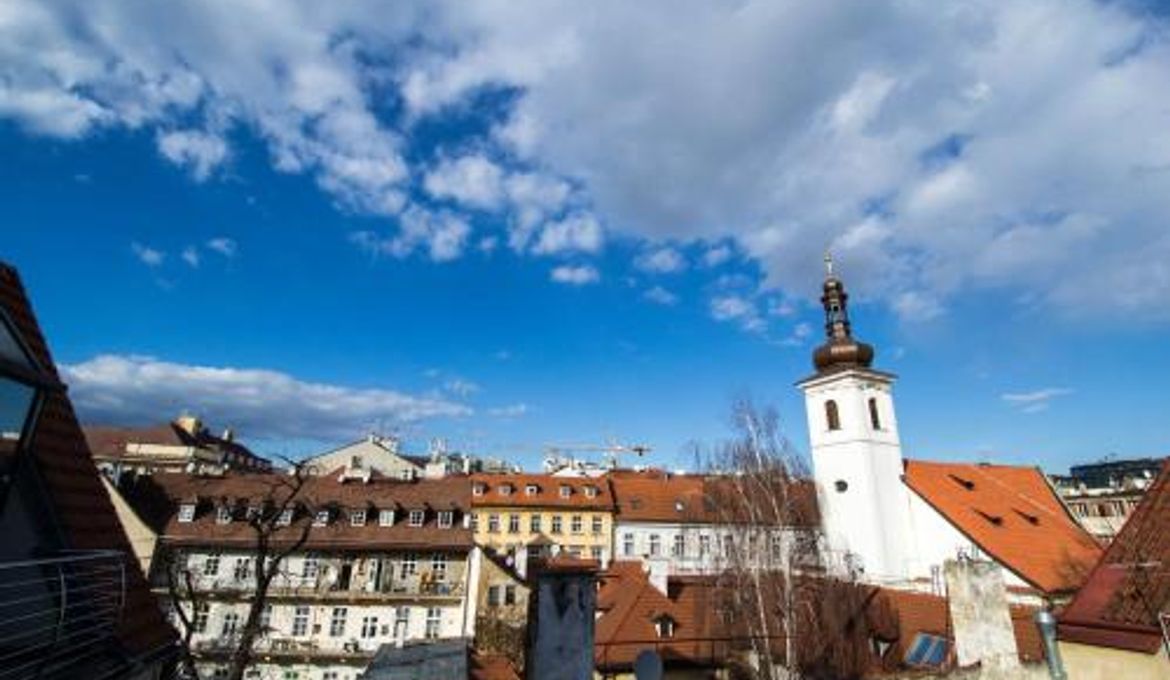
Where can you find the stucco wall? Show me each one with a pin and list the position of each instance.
(1086, 662)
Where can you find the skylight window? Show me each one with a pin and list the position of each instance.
(927, 650)
(186, 512)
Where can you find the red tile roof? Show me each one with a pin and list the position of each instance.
(491, 667)
(660, 498)
(157, 498)
(1013, 515)
(107, 441)
(547, 495)
(82, 507)
(1118, 605)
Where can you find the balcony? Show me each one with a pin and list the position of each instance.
(59, 614)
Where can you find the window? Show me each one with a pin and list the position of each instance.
(211, 565)
(655, 544)
(575, 524)
(409, 564)
(285, 517)
(439, 567)
(243, 569)
(704, 545)
(534, 524)
(386, 518)
(186, 512)
(357, 518)
(337, 622)
(477, 489)
(493, 596)
(566, 491)
(300, 625)
(223, 515)
(530, 490)
(321, 518)
(927, 650)
(664, 626)
(446, 519)
(406, 474)
(199, 619)
(680, 546)
(219, 674)
(509, 594)
(505, 489)
(369, 626)
(777, 546)
(728, 545)
(556, 524)
(329, 675)
(493, 523)
(231, 621)
(591, 492)
(627, 544)
(291, 675)
(265, 619)
(434, 618)
(310, 567)
(513, 524)
(831, 416)
(475, 521)
(401, 622)
(873, 414)
(595, 552)
(597, 525)
(416, 518)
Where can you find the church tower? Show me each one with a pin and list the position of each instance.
(856, 454)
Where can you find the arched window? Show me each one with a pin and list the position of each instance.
(873, 414)
(831, 416)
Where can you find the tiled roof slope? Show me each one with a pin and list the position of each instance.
(917, 612)
(111, 441)
(1013, 515)
(659, 498)
(548, 494)
(1118, 605)
(158, 496)
(82, 507)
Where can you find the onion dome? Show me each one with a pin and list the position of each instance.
(840, 350)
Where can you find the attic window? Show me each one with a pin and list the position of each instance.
(478, 488)
(590, 491)
(994, 519)
(927, 650)
(386, 518)
(965, 483)
(1028, 517)
(505, 489)
(566, 491)
(321, 518)
(664, 626)
(223, 514)
(416, 518)
(186, 512)
(679, 506)
(530, 490)
(446, 519)
(285, 517)
(357, 518)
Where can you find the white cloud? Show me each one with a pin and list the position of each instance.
(509, 411)
(190, 255)
(664, 260)
(147, 255)
(660, 295)
(717, 255)
(442, 234)
(575, 275)
(224, 246)
(461, 387)
(262, 404)
(1035, 400)
(576, 233)
(737, 309)
(200, 152)
(472, 180)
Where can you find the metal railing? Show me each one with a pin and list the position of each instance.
(59, 612)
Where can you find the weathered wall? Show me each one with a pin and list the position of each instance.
(980, 618)
(1086, 662)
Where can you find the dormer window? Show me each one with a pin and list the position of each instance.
(566, 491)
(385, 518)
(357, 518)
(406, 474)
(505, 489)
(591, 492)
(446, 519)
(416, 518)
(186, 512)
(531, 490)
(223, 514)
(478, 488)
(321, 518)
(664, 626)
(285, 517)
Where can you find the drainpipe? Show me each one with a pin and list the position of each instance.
(1046, 622)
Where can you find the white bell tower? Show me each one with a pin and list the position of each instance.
(856, 455)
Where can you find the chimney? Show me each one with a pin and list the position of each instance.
(657, 571)
(189, 424)
(980, 616)
(228, 435)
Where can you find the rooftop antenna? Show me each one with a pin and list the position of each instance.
(828, 264)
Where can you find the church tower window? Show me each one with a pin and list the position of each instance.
(832, 417)
(874, 419)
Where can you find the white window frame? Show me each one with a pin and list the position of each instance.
(446, 519)
(566, 491)
(678, 546)
(558, 524)
(628, 544)
(321, 518)
(434, 623)
(409, 564)
(187, 512)
(337, 619)
(223, 514)
(591, 491)
(478, 489)
(505, 489)
(211, 565)
(386, 518)
(417, 518)
(576, 524)
(439, 567)
(534, 522)
(597, 525)
(357, 518)
(369, 627)
(655, 545)
(493, 523)
(285, 517)
(513, 523)
(530, 490)
(300, 622)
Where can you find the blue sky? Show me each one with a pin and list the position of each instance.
(513, 227)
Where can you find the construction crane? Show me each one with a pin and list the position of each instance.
(555, 454)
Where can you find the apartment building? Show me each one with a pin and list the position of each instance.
(385, 562)
(543, 515)
(183, 445)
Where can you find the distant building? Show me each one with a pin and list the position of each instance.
(894, 521)
(183, 445)
(1103, 495)
(383, 455)
(73, 603)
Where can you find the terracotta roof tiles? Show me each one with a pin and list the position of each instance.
(512, 490)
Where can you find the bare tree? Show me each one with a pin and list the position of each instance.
(275, 536)
(790, 619)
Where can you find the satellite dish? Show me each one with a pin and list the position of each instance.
(648, 666)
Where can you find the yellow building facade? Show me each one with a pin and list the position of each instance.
(546, 514)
